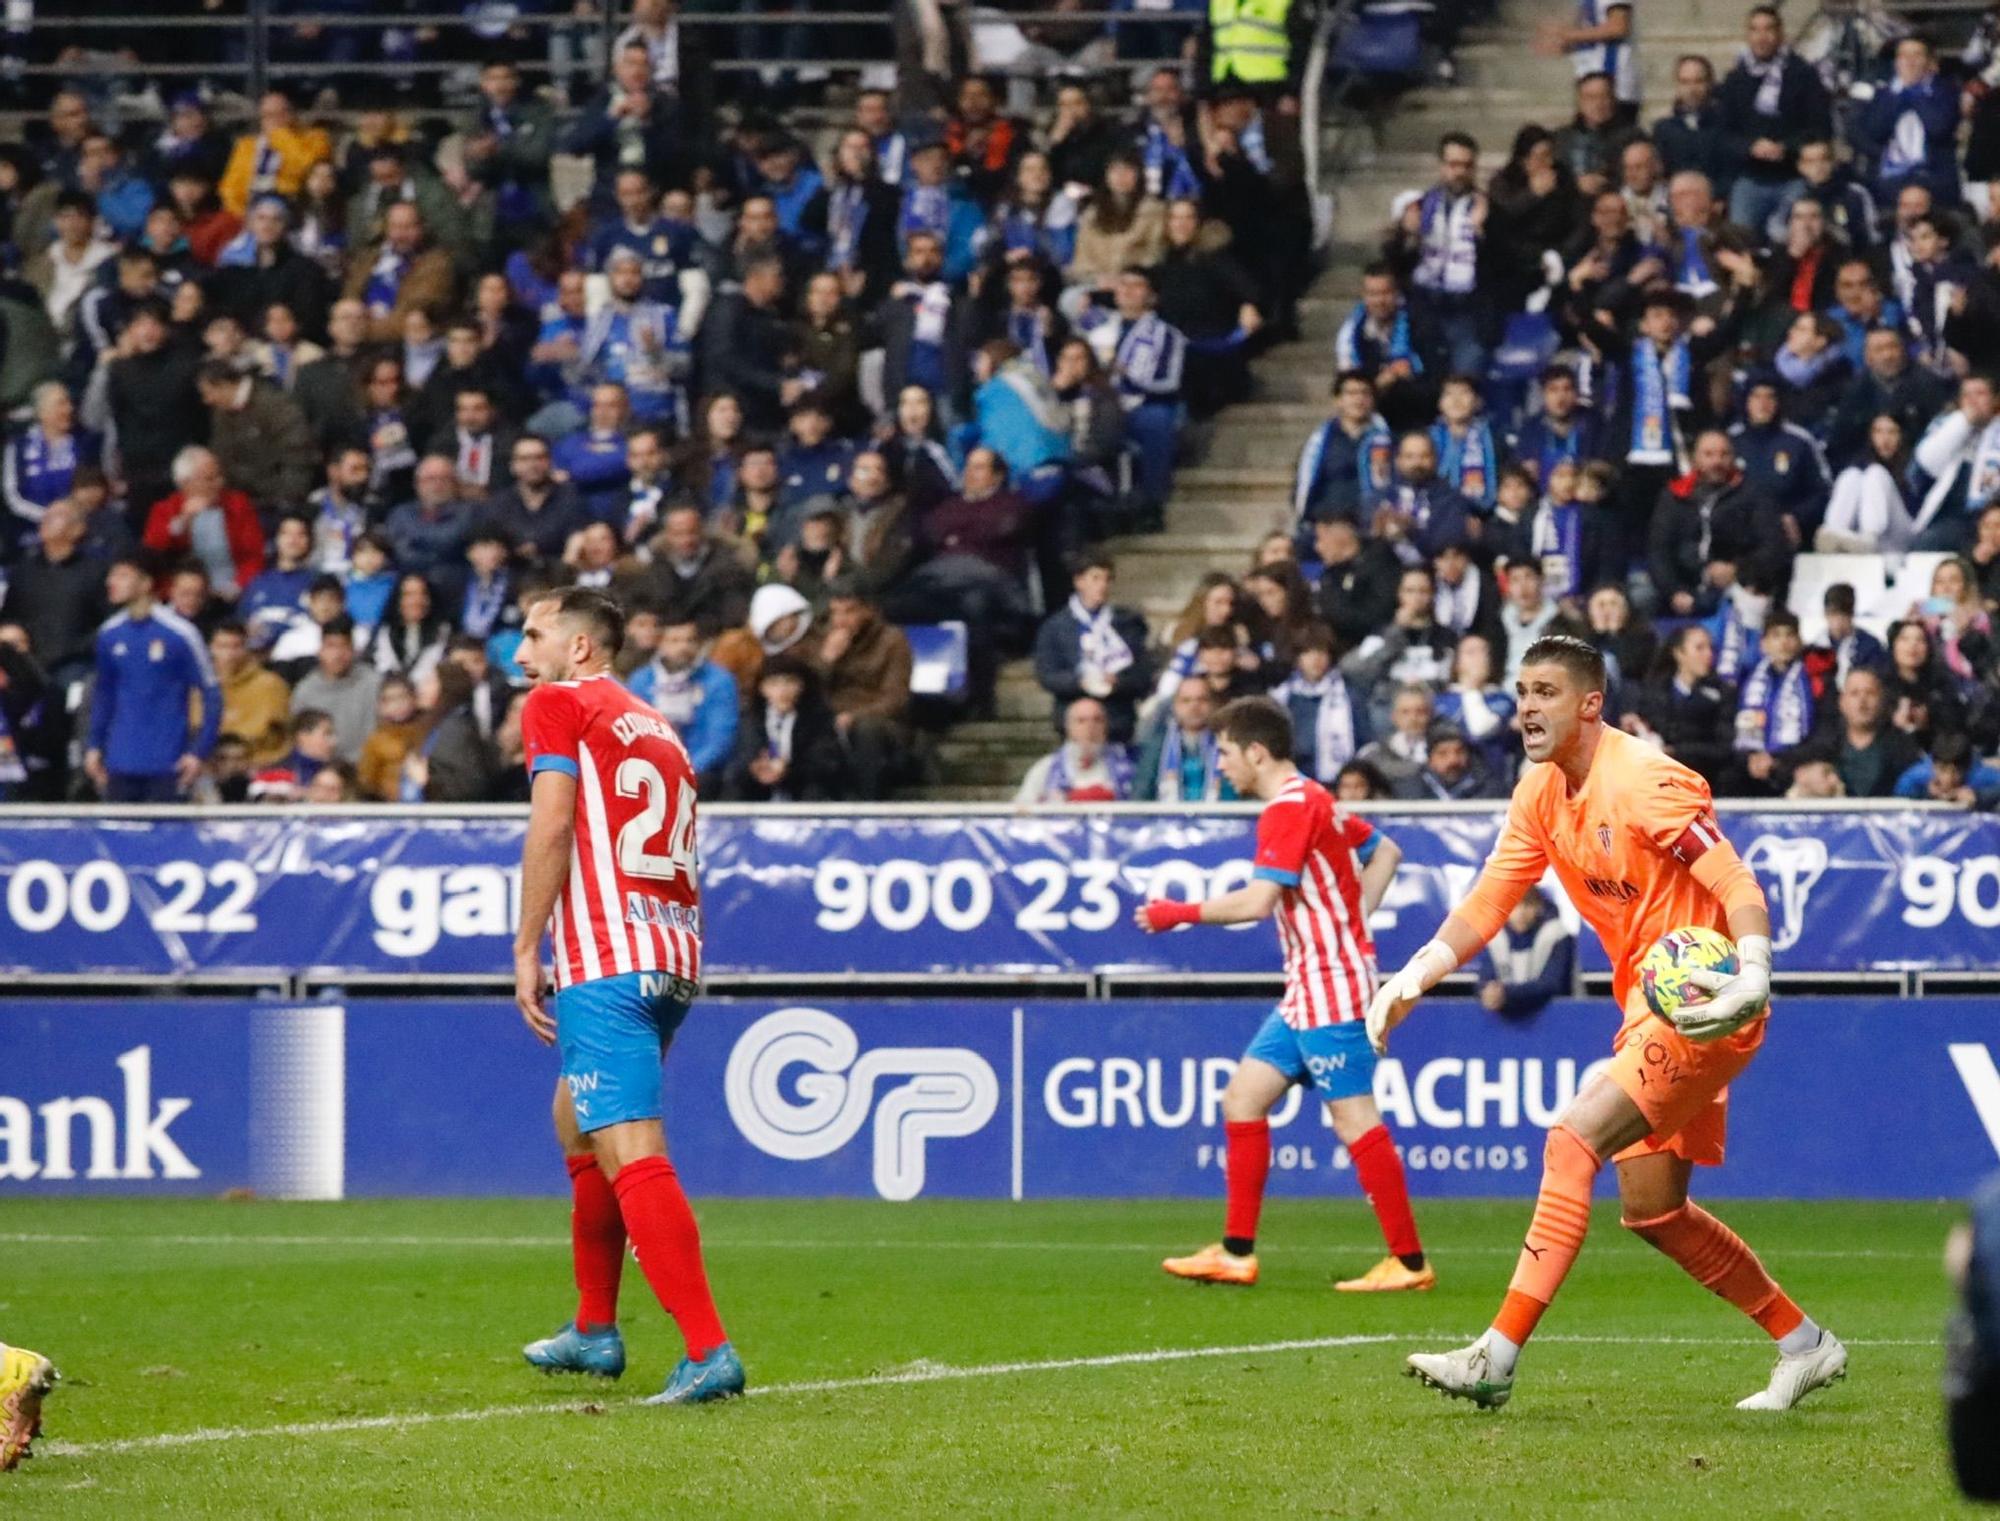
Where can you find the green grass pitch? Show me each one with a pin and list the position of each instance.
(362, 1359)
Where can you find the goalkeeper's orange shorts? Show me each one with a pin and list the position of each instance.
(1681, 1086)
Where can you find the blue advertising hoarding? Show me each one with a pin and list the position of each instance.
(885, 894)
(908, 1099)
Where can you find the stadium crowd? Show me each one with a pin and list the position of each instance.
(305, 413)
(304, 416)
(1711, 386)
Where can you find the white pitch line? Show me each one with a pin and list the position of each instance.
(921, 1374)
(815, 1244)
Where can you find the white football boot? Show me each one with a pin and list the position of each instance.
(1467, 1374)
(1799, 1374)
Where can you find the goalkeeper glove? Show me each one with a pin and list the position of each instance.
(1396, 997)
(1733, 1001)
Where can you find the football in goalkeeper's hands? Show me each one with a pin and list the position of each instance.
(1663, 970)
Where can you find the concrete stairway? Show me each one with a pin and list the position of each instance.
(1242, 486)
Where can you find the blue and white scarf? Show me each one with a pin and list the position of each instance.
(1353, 343)
(1467, 462)
(1100, 646)
(1149, 357)
(1908, 148)
(926, 208)
(1332, 719)
(385, 280)
(1776, 709)
(265, 163)
(1659, 390)
(1449, 261)
(846, 216)
(1173, 761)
(1024, 331)
(1691, 271)
(1048, 232)
(1555, 538)
(1169, 173)
(1064, 765)
(485, 602)
(892, 152)
(1770, 77)
(240, 252)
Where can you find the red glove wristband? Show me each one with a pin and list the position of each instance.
(1169, 913)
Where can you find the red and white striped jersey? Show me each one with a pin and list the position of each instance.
(632, 902)
(1314, 852)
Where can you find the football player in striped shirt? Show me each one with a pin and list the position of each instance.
(608, 867)
(1320, 873)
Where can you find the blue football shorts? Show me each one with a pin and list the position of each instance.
(1335, 1059)
(612, 1034)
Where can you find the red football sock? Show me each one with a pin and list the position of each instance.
(1381, 1173)
(1249, 1165)
(596, 1242)
(668, 1243)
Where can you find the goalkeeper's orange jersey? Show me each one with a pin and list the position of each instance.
(1627, 847)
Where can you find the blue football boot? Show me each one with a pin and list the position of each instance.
(598, 1353)
(718, 1376)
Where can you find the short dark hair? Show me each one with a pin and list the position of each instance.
(325, 582)
(1952, 747)
(229, 626)
(1256, 721)
(1352, 377)
(217, 372)
(1555, 372)
(604, 616)
(1216, 638)
(1091, 559)
(1781, 617)
(1839, 599)
(1457, 139)
(339, 626)
(1315, 636)
(307, 719)
(1576, 656)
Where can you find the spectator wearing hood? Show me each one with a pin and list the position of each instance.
(779, 618)
(1781, 462)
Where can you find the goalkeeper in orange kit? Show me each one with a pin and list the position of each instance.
(1633, 838)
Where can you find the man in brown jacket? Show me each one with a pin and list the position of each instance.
(259, 435)
(400, 272)
(864, 667)
(256, 703)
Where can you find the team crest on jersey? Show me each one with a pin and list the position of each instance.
(1604, 837)
(1781, 462)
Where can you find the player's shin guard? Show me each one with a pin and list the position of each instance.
(596, 1243)
(1555, 1236)
(668, 1243)
(1380, 1172)
(1716, 1258)
(1248, 1166)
